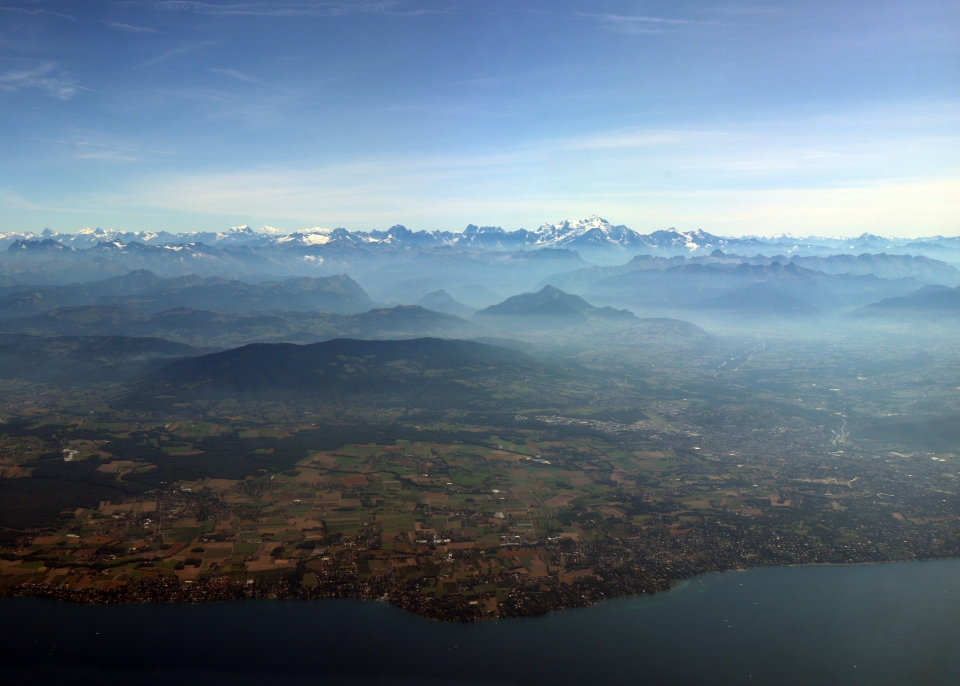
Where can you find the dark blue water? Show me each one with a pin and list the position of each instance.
(870, 624)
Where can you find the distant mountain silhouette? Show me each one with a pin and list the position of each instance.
(552, 302)
(557, 322)
(337, 294)
(405, 321)
(21, 301)
(926, 302)
(230, 329)
(441, 301)
(759, 298)
(882, 265)
(669, 283)
(146, 292)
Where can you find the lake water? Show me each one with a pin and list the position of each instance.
(893, 624)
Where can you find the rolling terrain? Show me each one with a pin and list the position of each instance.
(424, 372)
(231, 329)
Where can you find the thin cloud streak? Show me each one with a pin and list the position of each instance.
(173, 53)
(40, 77)
(83, 88)
(124, 147)
(635, 24)
(636, 19)
(246, 78)
(11, 200)
(129, 28)
(37, 12)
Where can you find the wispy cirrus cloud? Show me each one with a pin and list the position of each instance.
(81, 145)
(83, 88)
(173, 53)
(631, 23)
(293, 9)
(45, 77)
(239, 76)
(12, 200)
(37, 12)
(129, 28)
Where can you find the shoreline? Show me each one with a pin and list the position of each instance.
(586, 592)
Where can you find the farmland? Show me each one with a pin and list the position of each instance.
(455, 522)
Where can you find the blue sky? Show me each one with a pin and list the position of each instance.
(734, 117)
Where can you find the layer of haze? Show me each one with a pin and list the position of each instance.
(734, 117)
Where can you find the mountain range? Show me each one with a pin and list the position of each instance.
(145, 292)
(242, 286)
(228, 329)
(592, 235)
(550, 320)
(881, 265)
(670, 284)
(758, 299)
(929, 301)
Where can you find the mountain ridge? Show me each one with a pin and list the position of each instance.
(551, 302)
(145, 291)
(228, 329)
(928, 301)
(589, 233)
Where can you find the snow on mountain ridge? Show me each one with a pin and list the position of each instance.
(315, 236)
(592, 229)
(593, 236)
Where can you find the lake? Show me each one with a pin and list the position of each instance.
(863, 624)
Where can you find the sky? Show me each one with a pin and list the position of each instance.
(808, 117)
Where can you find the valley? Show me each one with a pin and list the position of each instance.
(500, 504)
(483, 433)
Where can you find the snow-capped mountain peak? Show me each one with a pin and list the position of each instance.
(593, 237)
(315, 236)
(575, 228)
(592, 230)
